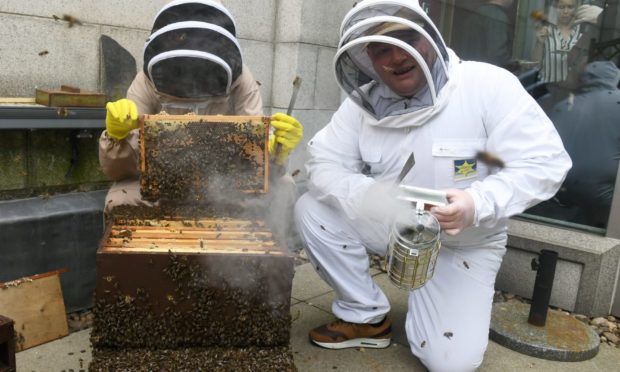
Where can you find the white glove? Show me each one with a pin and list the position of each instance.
(587, 14)
(458, 214)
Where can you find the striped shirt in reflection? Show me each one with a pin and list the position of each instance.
(555, 55)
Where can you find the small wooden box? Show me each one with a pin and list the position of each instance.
(36, 306)
(191, 282)
(193, 157)
(7, 345)
(69, 97)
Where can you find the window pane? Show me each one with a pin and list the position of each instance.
(566, 53)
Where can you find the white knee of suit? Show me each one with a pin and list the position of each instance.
(340, 257)
(448, 318)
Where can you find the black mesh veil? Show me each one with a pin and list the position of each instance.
(193, 51)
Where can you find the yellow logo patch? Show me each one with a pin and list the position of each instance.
(464, 169)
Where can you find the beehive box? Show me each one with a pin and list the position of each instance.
(68, 96)
(191, 157)
(175, 282)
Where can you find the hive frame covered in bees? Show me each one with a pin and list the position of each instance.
(187, 157)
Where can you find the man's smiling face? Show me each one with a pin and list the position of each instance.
(397, 68)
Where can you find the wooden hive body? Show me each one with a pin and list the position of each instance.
(191, 282)
(186, 157)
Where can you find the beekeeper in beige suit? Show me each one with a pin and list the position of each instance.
(192, 63)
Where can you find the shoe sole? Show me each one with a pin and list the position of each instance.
(372, 343)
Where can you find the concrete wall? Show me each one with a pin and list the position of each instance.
(586, 271)
(280, 39)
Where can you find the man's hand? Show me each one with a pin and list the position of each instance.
(121, 118)
(288, 133)
(587, 14)
(458, 214)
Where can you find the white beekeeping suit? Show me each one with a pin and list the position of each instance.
(463, 108)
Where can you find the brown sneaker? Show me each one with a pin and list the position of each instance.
(340, 335)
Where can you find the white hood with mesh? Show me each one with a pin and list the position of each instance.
(357, 77)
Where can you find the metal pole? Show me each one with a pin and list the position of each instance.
(545, 272)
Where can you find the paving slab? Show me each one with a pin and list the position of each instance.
(311, 307)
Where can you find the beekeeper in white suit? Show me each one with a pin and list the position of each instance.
(407, 92)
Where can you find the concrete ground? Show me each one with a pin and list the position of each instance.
(310, 306)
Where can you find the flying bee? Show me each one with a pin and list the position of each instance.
(43, 52)
(538, 15)
(295, 172)
(71, 20)
(490, 159)
(62, 112)
(448, 335)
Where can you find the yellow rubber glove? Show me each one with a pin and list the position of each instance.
(288, 133)
(121, 118)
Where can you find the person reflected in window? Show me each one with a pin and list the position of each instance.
(588, 125)
(557, 34)
(489, 34)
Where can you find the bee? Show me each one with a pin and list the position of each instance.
(490, 159)
(322, 227)
(538, 16)
(43, 52)
(71, 20)
(448, 335)
(62, 112)
(423, 344)
(295, 172)
(466, 264)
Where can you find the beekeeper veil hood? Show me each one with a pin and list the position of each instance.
(384, 24)
(193, 51)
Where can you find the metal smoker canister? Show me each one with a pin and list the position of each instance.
(414, 241)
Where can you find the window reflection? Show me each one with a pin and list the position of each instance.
(566, 53)
(488, 35)
(587, 121)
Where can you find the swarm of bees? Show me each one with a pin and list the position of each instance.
(192, 308)
(188, 160)
(195, 359)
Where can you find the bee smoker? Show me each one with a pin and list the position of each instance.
(414, 240)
